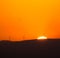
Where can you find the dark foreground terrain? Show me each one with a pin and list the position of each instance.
(37, 48)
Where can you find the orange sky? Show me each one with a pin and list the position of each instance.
(27, 19)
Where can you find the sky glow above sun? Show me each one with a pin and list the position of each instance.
(28, 19)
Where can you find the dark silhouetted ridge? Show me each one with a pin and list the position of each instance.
(41, 48)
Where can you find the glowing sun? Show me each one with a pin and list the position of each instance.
(42, 38)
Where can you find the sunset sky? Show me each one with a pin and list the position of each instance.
(29, 19)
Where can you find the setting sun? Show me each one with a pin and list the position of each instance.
(42, 38)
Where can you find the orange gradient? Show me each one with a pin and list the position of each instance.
(29, 19)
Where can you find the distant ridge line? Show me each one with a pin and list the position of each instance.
(30, 40)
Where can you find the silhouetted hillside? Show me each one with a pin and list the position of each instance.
(41, 48)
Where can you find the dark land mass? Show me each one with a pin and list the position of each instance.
(38, 48)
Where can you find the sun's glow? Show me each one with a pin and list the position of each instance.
(42, 38)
